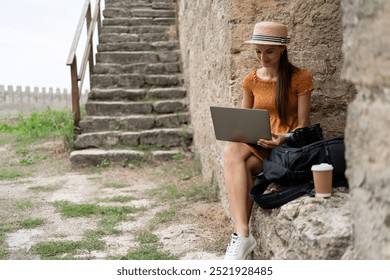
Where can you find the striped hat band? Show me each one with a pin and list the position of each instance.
(271, 39)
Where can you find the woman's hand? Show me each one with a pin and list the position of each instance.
(277, 139)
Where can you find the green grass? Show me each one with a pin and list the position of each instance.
(194, 192)
(183, 169)
(148, 249)
(4, 254)
(28, 223)
(32, 159)
(31, 129)
(109, 216)
(114, 185)
(42, 125)
(54, 250)
(24, 204)
(121, 199)
(48, 188)
(10, 173)
(70, 210)
(163, 216)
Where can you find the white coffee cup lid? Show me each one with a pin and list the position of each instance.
(322, 167)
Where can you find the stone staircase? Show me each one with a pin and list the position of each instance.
(137, 106)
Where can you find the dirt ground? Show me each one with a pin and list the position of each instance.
(199, 229)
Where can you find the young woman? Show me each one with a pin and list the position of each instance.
(282, 89)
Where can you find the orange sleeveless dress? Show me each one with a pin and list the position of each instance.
(263, 93)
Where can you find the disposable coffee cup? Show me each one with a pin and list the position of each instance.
(322, 175)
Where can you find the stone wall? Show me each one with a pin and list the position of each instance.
(215, 60)
(205, 39)
(367, 65)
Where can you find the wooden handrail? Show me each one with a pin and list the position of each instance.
(77, 75)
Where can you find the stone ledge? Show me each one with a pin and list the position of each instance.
(307, 228)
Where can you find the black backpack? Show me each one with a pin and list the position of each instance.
(291, 167)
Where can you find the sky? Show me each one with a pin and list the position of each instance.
(35, 39)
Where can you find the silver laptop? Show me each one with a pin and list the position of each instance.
(240, 125)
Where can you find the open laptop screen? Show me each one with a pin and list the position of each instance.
(240, 125)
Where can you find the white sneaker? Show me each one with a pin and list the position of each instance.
(240, 247)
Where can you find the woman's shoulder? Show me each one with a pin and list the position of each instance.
(249, 79)
(250, 75)
(302, 81)
(301, 74)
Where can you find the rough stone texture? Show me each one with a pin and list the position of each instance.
(205, 51)
(84, 158)
(307, 228)
(367, 65)
(215, 60)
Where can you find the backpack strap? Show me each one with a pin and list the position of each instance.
(277, 198)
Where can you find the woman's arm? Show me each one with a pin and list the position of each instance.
(247, 101)
(304, 110)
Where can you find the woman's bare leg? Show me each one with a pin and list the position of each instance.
(253, 166)
(239, 165)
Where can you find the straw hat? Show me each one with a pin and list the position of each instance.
(269, 33)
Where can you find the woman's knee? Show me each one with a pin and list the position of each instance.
(234, 151)
(254, 165)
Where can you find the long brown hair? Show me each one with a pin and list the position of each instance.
(286, 70)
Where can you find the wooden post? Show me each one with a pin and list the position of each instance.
(90, 43)
(75, 93)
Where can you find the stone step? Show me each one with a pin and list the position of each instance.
(100, 157)
(111, 46)
(133, 122)
(138, 21)
(130, 12)
(135, 29)
(147, 37)
(124, 47)
(136, 102)
(105, 108)
(106, 81)
(137, 2)
(127, 3)
(165, 137)
(129, 57)
(118, 38)
(122, 94)
(139, 68)
(117, 81)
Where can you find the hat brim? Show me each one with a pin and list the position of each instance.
(258, 42)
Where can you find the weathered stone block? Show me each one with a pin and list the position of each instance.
(162, 80)
(96, 140)
(166, 93)
(117, 108)
(117, 38)
(126, 57)
(168, 137)
(164, 107)
(172, 120)
(117, 94)
(97, 157)
(306, 228)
